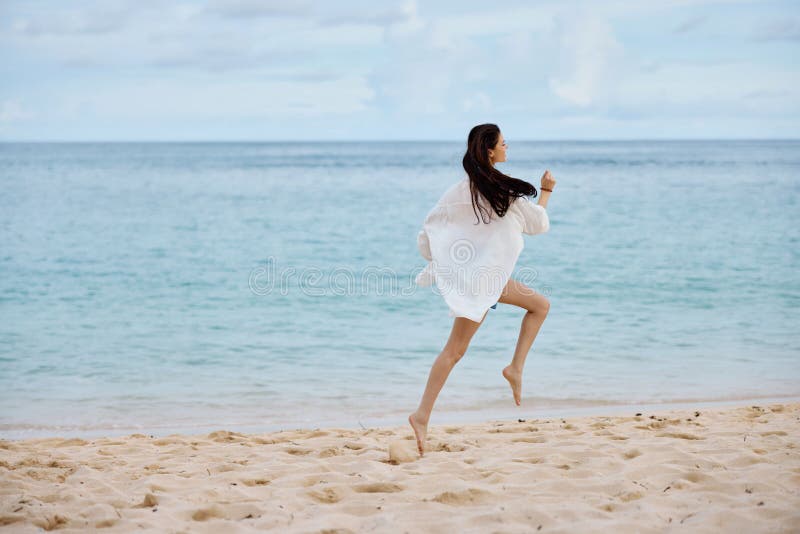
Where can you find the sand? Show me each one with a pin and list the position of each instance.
(713, 470)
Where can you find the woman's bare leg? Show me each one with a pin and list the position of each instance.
(536, 307)
(460, 336)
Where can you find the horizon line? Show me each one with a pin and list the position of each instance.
(421, 140)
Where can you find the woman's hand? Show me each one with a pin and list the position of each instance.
(548, 182)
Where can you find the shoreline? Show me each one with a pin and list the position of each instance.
(708, 469)
(442, 415)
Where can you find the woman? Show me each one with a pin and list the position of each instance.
(471, 262)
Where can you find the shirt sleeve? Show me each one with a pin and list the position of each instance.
(424, 245)
(534, 217)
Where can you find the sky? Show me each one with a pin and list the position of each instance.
(304, 70)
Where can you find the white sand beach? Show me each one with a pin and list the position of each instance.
(731, 469)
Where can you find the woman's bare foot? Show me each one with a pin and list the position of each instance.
(420, 431)
(514, 378)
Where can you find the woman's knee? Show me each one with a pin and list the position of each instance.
(537, 304)
(454, 352)
(545, 305)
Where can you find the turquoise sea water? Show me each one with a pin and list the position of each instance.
(258, 286)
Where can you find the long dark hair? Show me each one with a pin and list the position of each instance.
(485, 180)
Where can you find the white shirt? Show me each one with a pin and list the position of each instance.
(471, 263)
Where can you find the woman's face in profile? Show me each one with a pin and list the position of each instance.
(498, 153)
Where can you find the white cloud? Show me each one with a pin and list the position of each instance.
(105, 18)
(707, 89)
(13, 111)
(372, 13)
(479, 101)
(258, 8)
(783, 29)
(221, 99)
(588, 52)
(690, 24)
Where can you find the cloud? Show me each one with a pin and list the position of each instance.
(219, 98)
(588, 52)
(107, 18)
(778, 30)
(369, 14)
(690, 24)
(763, 93)
(320, 12)
(220, 57)
(190, 37)
(13, 111)
(259, 8)
(428, 70)
(479, 101)
(706, 89)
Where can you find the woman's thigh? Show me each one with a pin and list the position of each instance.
(519, 294)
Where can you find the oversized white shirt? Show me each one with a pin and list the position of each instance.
(471, 263)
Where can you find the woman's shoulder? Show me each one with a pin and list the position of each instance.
(457, 192)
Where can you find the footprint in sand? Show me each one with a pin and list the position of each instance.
(225, 436)
(10, 519)
(744, 461)
(98, 515)
(297, 451)
(678, 435)
(168, 441)
(73, 442)
(529, 460)
(467, 496)
(251, 482)
(233, 512)
(631, 454)
(530, 439)
(508, 430)
(50, 521)
(378, 487)
(628, 496)
(696, 476)
(330, 451)
(328, 495)
(447, 447)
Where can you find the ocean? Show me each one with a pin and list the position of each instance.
(192, 287)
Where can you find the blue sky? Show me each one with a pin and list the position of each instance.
(385, 70)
